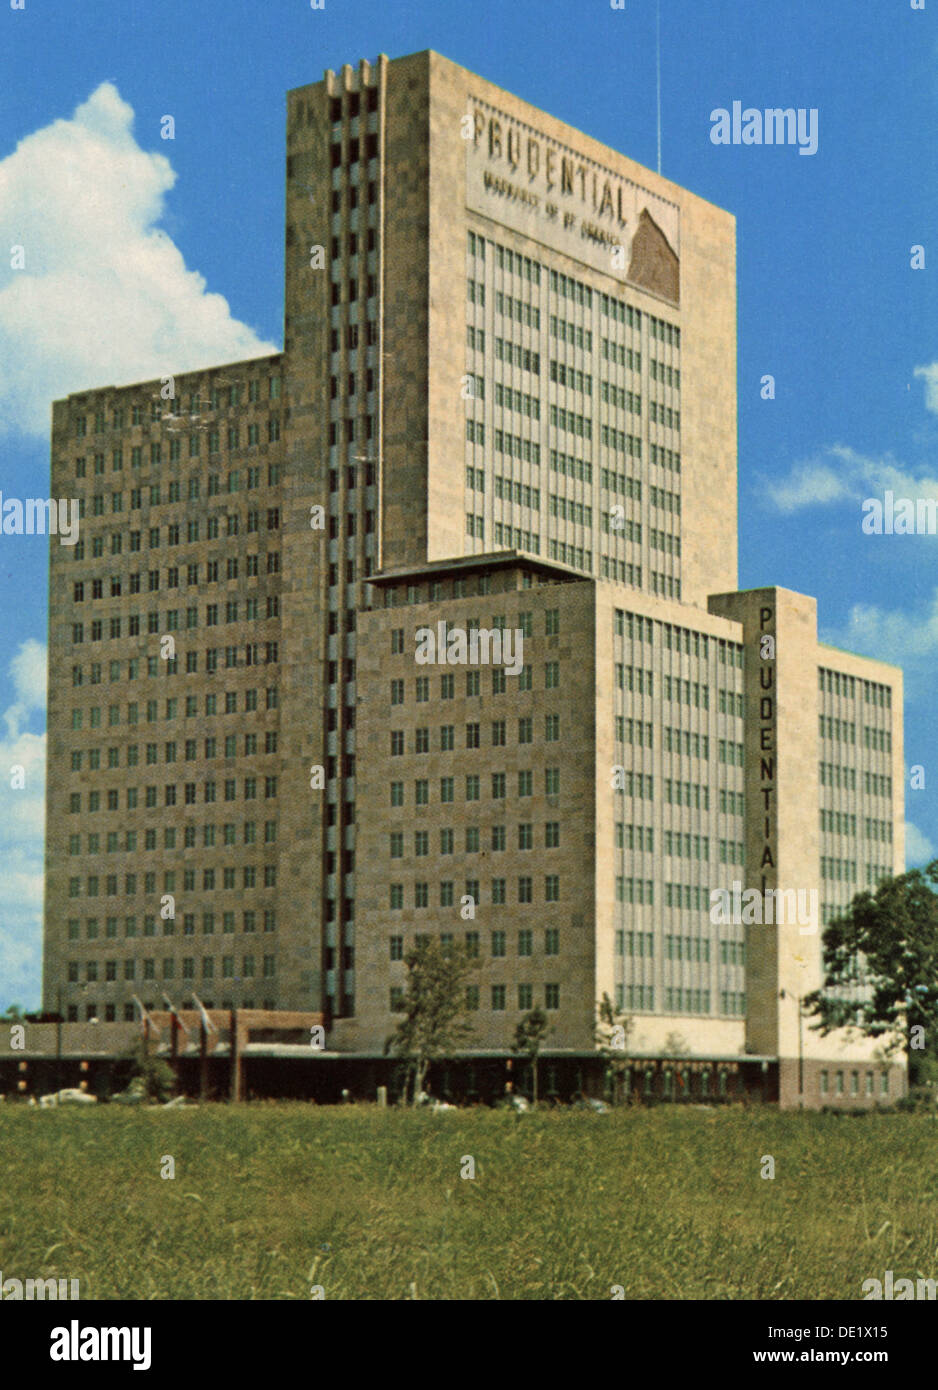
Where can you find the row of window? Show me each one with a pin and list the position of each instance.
(572, 333)
(350, 286)
(691, 897)
(731, 702)
(135, 580)
(255, 654)
(637, 784)
(351, 331)
(515, 264)
(839, 870)
(351, 248)
(659, 414)
(353, 149)
(574, 555)
(635, 890)
(351, 521)
(473, 785)
(249, 923)
(209, 789)
(835, 683)
(667, 375)
(499, 998)
(461, 586)
(168, 969)
(513, 353)
(622, 356)
(525, 892)
(833, 775)
(218, 399)
(191, 707)
(571, 422)
(353, 429)
(634, 731)
(210, 881)
(508, 490)
(638, 628)
(874, 783)
(568, 510)
(511, 444)
(824, 1083)
(641, 998)
(473, 735)
(152, 494)
(353, 106)
(662, 457)
(695, 794)
(692, 745)
(472, 841)
(498, 943)
(173, 448)
(211, 749)
(619, 397)
(571, 467)
(233, 613)
(682, 845)
(571, 377)
(516, 538)
(92, 1011)
(622, 571)
(691, 948)
(616, 524)
(126, 841)
(625, 486)
(841, 729)
(473, 730)
(664, 540)
(687, 1001)
(499, 622)
(663, 500)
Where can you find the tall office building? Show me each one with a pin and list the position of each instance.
(506, 401)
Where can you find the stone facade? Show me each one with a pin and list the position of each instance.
(507, 392)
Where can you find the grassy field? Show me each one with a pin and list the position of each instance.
(268, 1200)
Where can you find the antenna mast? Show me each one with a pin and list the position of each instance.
(658, 48)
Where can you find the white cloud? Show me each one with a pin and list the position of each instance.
(105, 296)
(28, 669)
(929, 375)
(808, 485)
(919, 849)
(901, 637)
(22, 826)
(840, 474)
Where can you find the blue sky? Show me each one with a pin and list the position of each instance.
(828, 302)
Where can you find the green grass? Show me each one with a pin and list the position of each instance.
(270, 1199)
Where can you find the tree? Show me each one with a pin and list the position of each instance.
(13, 1014)
(529, 1035)
(150, 1076)
(612, 1035)
(434, 1008)
(881, 966)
